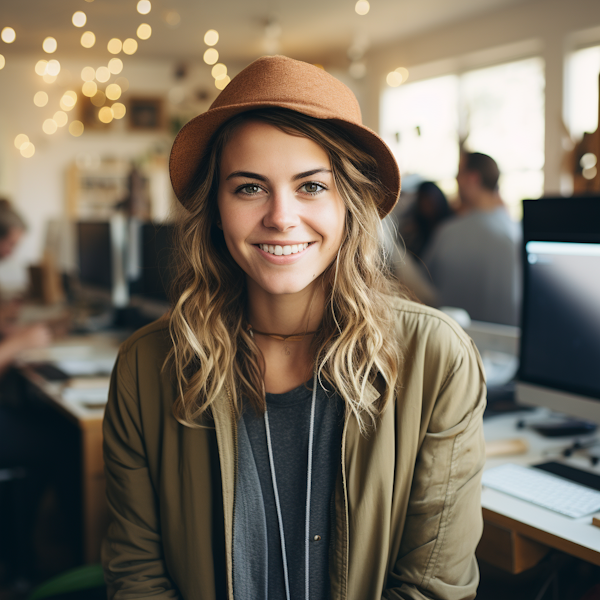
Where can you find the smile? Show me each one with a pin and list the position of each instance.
(277, 250)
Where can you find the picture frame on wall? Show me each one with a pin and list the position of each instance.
(146, 113)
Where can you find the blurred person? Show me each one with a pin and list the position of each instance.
(428, 211)
(474, 258)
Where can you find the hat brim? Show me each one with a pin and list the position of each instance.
(192, 143)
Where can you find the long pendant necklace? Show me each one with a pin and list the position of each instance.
(308, 491)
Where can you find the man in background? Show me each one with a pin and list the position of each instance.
(474, 258)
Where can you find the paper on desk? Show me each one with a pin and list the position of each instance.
(88, 366)
(87, 395)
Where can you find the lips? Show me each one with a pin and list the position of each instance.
(278, 250)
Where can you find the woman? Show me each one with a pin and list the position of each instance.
(292, 430)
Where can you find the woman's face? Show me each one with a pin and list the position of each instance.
(281, 215)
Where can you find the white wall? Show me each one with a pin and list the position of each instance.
(546, 28)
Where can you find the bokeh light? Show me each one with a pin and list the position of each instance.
(61, 118)
(115, 46)
(113, 91)
(49, 45)
(49, 78)
(68, 101)
(53, 67)
(8, 35)
(102, 74)
(79, 19)
(118, 110)
(403, 72)
(130, 46)
(89, 88)
(219, 70)
(88, 39)
(394, 79)
(2, 61)
(99, 98)
(40, 99)
(362, 7)
(144, 7)
(27, 150)
(21, 140)
(115, 65)
(40, 67)
(144, 31)
(211, 37)
(172, 18)
(49, 126)
(88, 73)
(211, 56)
(76, 128)
(105, 114)
(221, 84)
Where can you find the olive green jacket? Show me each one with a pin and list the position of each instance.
(408, 514)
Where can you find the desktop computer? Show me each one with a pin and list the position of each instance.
(560, 324)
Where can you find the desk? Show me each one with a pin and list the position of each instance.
(518, 534)
(96, 347)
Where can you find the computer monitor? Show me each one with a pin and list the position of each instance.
(157, 268)
(560, 324)
(101, 258)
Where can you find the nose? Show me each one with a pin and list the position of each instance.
(282, 211)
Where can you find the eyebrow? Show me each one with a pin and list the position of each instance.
(249, 175)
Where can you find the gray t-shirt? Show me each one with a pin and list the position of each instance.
(475, 263)
(289, 421)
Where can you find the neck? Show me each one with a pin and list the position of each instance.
(485, 200)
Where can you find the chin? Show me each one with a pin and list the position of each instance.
(284, 286)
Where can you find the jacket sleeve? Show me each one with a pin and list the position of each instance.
(132, 553)
(444, 521)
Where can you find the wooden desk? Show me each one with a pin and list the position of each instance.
(518, 534)
(87, 418)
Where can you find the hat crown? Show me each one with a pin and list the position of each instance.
(279, 80)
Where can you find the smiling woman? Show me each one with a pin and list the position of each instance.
(297, 428)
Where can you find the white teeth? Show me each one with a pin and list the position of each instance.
(283, 250)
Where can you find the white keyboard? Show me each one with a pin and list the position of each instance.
(543, 489)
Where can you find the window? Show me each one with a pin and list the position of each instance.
(497, 110)
(581, 111)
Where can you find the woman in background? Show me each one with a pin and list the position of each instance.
(296, 428)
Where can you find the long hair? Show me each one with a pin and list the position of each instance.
(212, 348)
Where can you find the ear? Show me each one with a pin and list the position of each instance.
(219, 224)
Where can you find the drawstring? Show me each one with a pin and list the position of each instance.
(308, 490)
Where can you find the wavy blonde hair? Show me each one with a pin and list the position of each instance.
(212, 348)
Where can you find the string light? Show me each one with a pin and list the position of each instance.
(394, 79)
(403, 72)
(88, 73)
(144, 31)
(102, 74)
(130, 46)
(40, 67)
(79, 19)
(68, 100)
(61, 118)
(115, 65)
(53, 68)
(76, 128)
(211, 37)
(88, 39)
(8, 35)
(27, 150)
(89, 88)
(105, 114)
(219, 71)
(21, 140)
(118, 110)
(49, 78)
(115, 45)
(49, 126)
(113, 91)
(40, 99)
(49, 45)
(362, 7)
(144, 7)
(222, 83)
(211, 56)
(2, 61)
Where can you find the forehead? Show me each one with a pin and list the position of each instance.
(256, 146)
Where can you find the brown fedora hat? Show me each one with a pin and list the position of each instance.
(278, 81)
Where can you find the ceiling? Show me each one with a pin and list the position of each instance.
(310, 30)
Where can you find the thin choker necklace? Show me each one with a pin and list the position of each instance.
(294, 337)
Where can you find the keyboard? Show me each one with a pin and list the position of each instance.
(543, 489)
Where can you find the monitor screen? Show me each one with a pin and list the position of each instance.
(95, 254)
(157, 268)
(560, 325)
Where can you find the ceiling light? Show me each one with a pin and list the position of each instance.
(79, 19)
(49, 45)
(28, 150)
(362, 7)
(118, 110)
(144, 7)
(211, 37)
(144, 31)
(21, 140)
(40, 99)
(115, 45)
(88, 39)
(130, 46)
(8, 35)
(211, 56)
(76, 128)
